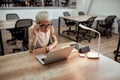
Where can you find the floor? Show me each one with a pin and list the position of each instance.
(107, 46)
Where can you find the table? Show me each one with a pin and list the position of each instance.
(5, 25)
(24, 66)
(77, 19)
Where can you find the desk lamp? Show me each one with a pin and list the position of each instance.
(92, 54)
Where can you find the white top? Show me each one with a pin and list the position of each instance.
(42, 38)
(38, 38)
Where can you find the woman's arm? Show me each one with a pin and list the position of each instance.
(31, 39)
(53, 37)
(39, 50)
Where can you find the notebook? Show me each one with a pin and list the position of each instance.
(54, 56)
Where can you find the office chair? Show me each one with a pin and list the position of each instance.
(69, 23)
(21, 33)
(11, 16)
(48, 2)
(117, 52)
(19, 2)
(86, 33)
(32, 2)
(1, 2)
(81, 13)
(65, 3)
(107, 25)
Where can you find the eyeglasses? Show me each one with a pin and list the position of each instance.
(45, 26)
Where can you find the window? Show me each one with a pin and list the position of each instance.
(37, 3)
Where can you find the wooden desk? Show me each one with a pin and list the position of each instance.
(77, 19)
(24, 66)
(5, 25)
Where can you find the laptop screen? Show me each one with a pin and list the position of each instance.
(56, 55)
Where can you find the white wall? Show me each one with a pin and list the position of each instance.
(105, 8)
(30, 13)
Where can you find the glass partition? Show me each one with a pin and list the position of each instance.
(38, 3)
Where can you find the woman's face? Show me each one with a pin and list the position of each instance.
(45, 25)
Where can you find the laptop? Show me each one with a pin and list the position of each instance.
(54, 56)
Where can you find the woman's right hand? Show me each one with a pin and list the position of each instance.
(48, 48)
(37, 27)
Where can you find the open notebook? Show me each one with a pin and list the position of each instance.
(55, 56)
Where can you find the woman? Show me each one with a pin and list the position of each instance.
(41, 34)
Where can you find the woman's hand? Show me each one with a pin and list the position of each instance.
(37, 27)
(48, 48)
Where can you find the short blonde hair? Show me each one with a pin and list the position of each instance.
(42, 15)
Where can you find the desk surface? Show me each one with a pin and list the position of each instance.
(24, 66)
(7, 24)
(82, 18)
